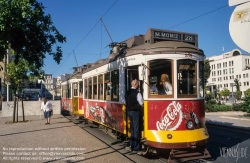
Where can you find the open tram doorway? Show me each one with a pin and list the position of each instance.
(131, 74)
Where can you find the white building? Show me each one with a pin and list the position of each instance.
(227, 67)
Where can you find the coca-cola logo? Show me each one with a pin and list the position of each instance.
(171, 117)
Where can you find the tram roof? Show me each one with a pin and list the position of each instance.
(149, 49)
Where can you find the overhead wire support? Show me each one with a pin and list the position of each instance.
(106, 30)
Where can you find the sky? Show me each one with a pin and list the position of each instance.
(87, 38)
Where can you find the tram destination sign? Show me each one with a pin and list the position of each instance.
(174, 36)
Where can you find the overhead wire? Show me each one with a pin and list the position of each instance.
(112, 7)
(197, 17)
(87, 34)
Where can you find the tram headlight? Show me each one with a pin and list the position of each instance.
(190, 125)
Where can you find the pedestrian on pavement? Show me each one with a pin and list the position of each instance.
(134, 102)
(46, 107)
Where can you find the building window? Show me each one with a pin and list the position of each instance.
(243, 75)
(239, 76)
(246, 75)
(232, 63)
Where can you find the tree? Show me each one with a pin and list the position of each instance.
(247, 93)
(207, 70)
(225, 92)
(236, 83)
(26, 29)
(238, 94)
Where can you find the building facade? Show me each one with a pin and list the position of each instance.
(227, 67)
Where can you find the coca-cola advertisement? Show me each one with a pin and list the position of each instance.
(67, 104)
(105, 113)
(175, 115)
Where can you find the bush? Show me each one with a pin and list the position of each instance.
(237, 107)
(245, 106)
(216, 108)
(212, 101)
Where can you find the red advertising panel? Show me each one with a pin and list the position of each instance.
(67, 104)
(109, 114)
(80, 103)
(175, 115)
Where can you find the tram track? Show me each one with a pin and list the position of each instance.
(219, 137)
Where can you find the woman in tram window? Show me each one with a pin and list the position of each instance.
(165, 86)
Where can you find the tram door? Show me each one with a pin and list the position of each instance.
(131, 75)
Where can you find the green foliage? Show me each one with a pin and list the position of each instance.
(247, 94)
(217, 108)
(212, 101)
(225, 92)
(18, 72)
(16, 75)
(26, 29)
(236, 82)
(246, 104)
(238, 94)
(237, 107)
(207, 70)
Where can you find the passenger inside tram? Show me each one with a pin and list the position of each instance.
(165, 86)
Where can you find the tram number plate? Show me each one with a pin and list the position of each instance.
(188, 55)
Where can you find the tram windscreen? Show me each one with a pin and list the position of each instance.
(186, 75)
(160, 77)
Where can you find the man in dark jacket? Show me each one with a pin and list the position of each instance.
(134, 103)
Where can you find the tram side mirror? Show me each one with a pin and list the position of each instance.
(141, 72)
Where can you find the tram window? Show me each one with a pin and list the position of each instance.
(100, 87)
(90, 88)
(160, 78)
(86, 88)
(95, 87)
(68, 93)
(80, 88)
(64, 91)
(201, 78)
(115, 85)
(75, 86)
(186, 78)
(107, 86)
